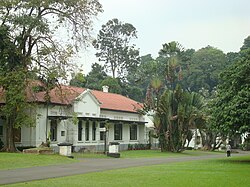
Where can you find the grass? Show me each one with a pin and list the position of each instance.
(216, 173)
(20, 160)
(146, 154)
(158, 153)
(89, 155)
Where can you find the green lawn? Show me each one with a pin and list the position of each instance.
(147, 154)
(20, 160)
(158, 153)
(216, 173)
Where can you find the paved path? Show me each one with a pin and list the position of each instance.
(87, 166)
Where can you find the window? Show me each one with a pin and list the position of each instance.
(118, 131)
(62, 133)
(87, 131)
(102, 125)
(93, 130)
(133, 132)
(79, 130)
(53, 130)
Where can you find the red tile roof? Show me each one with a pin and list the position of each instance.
(65, 95)
(111, 101)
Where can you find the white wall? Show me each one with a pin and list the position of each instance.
(87, 106)
(115, 115)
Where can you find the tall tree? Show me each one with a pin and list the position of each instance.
(173, 123)
(95, 77)
(173, 70)
(114, 48)
(139, 79)
(78, 80)
(246, 44)
(33, 28)
(206, 64)
(231, 109)
(15, 111)
(113, 84)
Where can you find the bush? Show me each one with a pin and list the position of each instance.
(245, 146)
(130, 147)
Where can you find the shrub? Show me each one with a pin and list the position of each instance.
(245, 146)
(130, 147)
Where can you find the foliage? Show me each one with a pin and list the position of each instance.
(95, 77)
(114, 49)
(113, 84)
(139, 79)
(13, 77)
(138, 146)
(78, 80)
(177, 112)
(189, 137)
(74, 118)
(34, 50)
(134, 93)
(231, 109)
(204, 69)
(173, 70)
(246, 44)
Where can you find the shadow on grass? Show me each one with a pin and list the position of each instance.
(237, 160)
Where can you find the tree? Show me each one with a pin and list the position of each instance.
(231, 109)
(206, 64)
(95, 77)
(138, 80)
(173, 123)
(114, 49)
(246, 44)
(78, 80)
(33, 26)
(171, 52)
(113, 84)
(189, 137)
(16, 111)
(175, 109)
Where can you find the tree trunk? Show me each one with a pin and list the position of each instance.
(10, 144)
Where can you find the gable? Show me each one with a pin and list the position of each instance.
(86, 105)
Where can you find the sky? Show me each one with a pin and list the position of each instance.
(223, 24)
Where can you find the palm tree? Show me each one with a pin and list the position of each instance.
(176, 122)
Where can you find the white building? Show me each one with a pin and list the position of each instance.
(83, 117)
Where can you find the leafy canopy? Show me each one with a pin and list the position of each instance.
(232, 106)
(114, 48)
